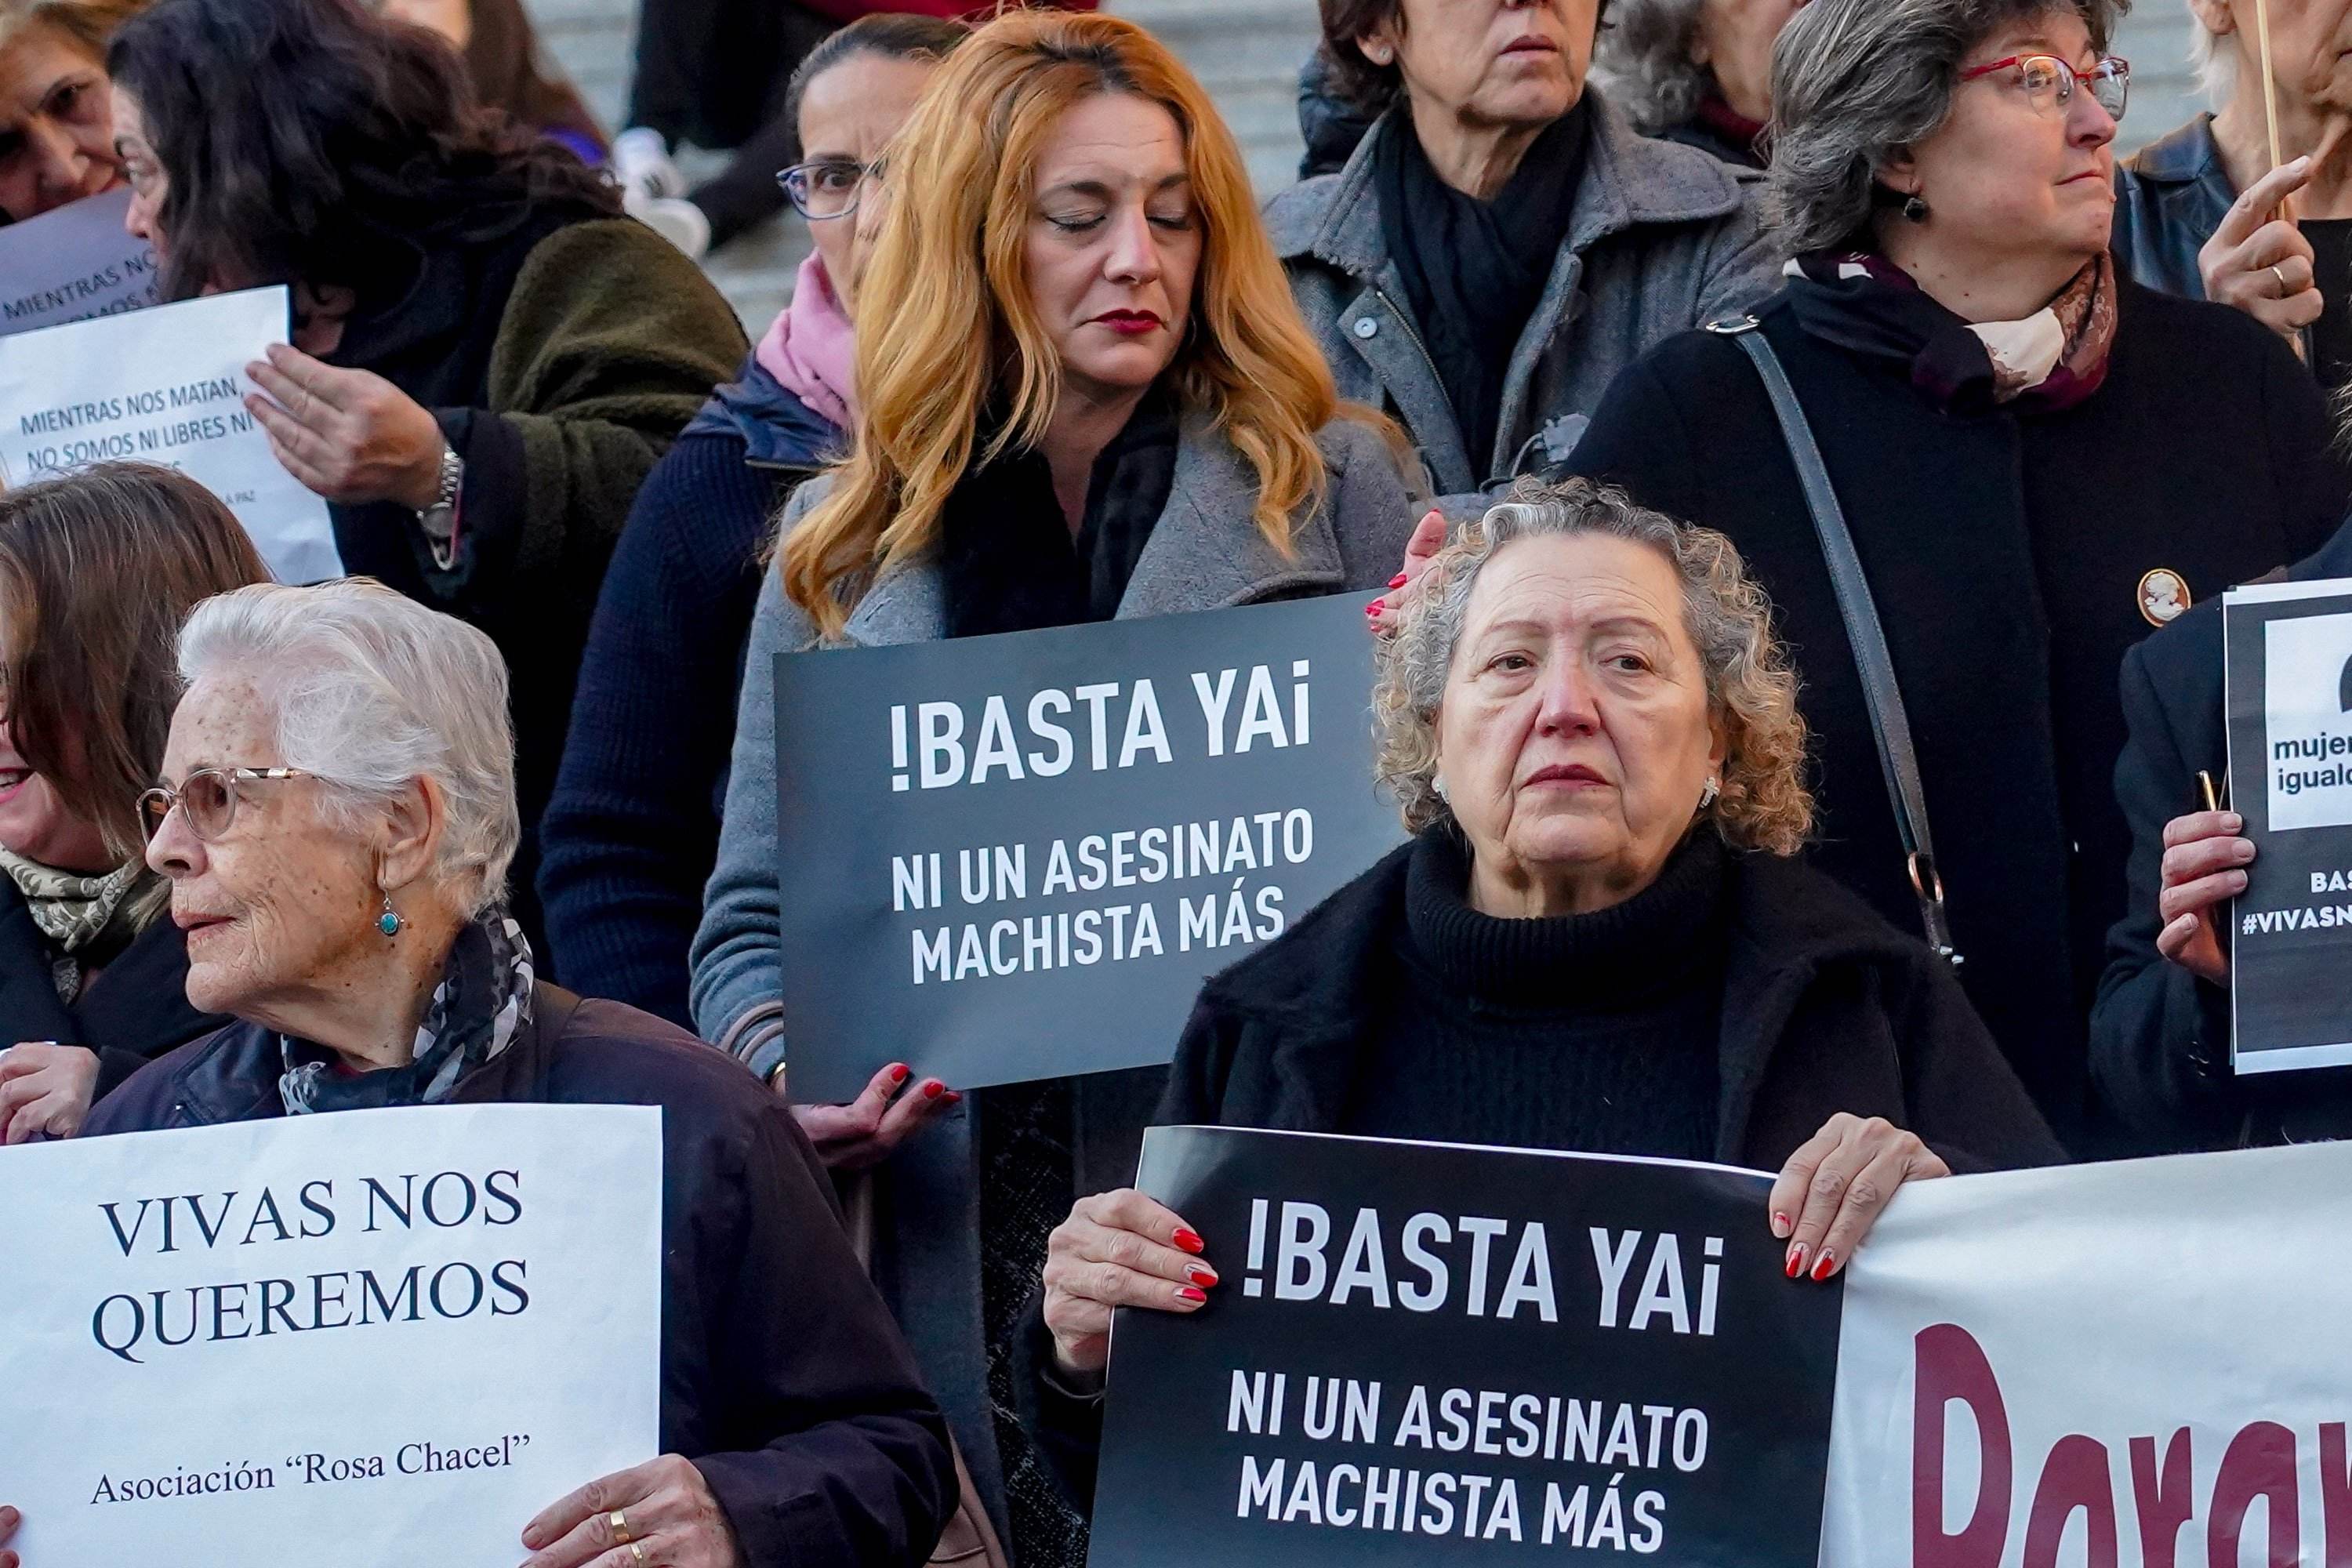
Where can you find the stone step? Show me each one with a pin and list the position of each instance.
(1248, 53)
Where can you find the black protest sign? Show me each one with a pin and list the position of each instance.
(2289, 676)
(1431, 1353)
(1017, 857)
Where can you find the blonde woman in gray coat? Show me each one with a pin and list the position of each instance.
(1130, 420)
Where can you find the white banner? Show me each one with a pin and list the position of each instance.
(2146, 1363)
(74, 263)
(166, 385)
(374, 1338)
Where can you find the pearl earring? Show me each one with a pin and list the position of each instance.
(1437, 787)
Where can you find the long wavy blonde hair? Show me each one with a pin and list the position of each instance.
(959, 328)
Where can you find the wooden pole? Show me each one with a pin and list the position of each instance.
(2270, 88)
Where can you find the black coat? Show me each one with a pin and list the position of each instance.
(783, 1377)
(1825, 1008)
(2005, 553)
(2159, 1036)
(131, 1011)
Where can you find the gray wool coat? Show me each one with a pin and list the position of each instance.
(1204, 553)
(1661, 238)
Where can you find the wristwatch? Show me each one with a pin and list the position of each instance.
(439, 520)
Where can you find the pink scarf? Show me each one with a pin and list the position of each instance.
(810, 349)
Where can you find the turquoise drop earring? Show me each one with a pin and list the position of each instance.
(389, 923)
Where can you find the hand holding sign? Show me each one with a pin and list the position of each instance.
(2205, 857)
(868, 1130)
(9, 1520)
(660, 1512)
(348, 435)
(1117, 1249)
(1387, 611)
(45, 1087)
(1838, 1182)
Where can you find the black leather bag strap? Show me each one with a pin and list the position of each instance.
(1889, 722)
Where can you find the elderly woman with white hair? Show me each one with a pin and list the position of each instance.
(2201, 213)
(336, 816)
(1695, 71)
(1989, 463)
(1598, 937)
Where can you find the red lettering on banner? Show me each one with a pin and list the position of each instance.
(2165, 1501)
(2259, 1463)
(2335, 1497)
(2074, 1478)
(1951, 1366)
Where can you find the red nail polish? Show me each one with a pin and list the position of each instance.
(1374, 607)
(953, 1097)
(1189, 1294)
(933, 1089)
(1796, 1259)
(898, 1073)
(1822, 1269)
(1780, 1225)
(1200, 1276)
(1397, 581)
(1188, 1240)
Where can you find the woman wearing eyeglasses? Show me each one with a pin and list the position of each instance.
(97, 571)
(2038, 462)
(632, 830)
(336, 814)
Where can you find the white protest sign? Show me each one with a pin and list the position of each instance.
(2308, 668)
(74, 263)
(2142, 1363)
(166, 385)
(372, 1339)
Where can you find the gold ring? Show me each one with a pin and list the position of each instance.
(619, 1520)
(2282, 282)
(637, 1554)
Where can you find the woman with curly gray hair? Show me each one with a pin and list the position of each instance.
(2036, 462)
(1598, 937)
(1695, 71)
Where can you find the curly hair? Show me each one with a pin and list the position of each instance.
(1752, 689)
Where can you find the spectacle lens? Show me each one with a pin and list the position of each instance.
(209, 801)
(823, 190)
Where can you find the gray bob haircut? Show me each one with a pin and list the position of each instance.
(1644, 55)
(370, 690)
(1857, 83)
(1751, 690)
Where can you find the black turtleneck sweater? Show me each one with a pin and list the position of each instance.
(1593, 1033)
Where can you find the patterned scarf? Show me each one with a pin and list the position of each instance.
(483, 998)
(74, 912)
(2051, 359)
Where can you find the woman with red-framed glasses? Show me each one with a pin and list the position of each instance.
(2202, 212)
(2035, 459)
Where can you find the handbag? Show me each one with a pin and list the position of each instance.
(1890, 724)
